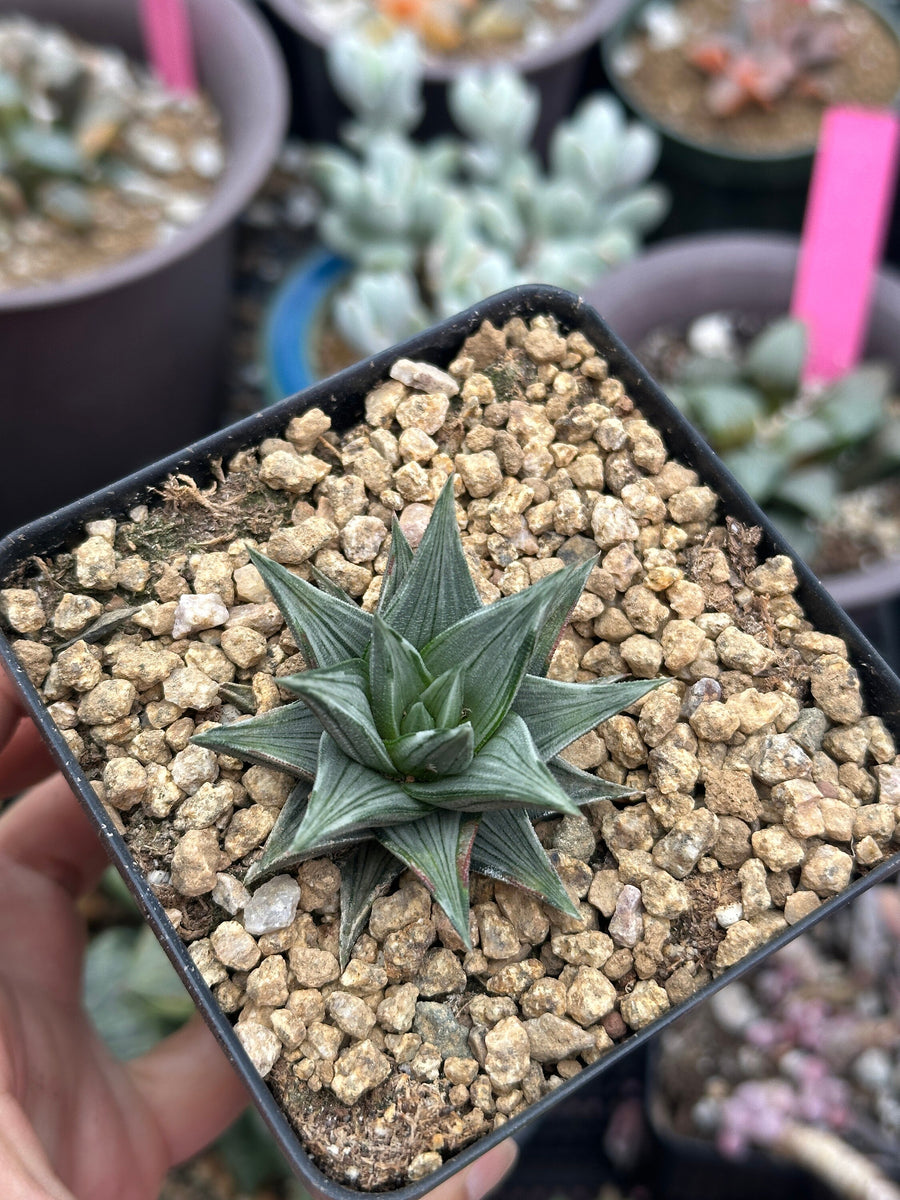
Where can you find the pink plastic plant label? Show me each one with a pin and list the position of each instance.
(167, 36)
(843, 235)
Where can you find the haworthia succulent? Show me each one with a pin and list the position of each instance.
(422, 730)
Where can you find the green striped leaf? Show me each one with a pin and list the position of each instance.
(557, 616)
(287, 738)
(279, 854)
(581, 786)
(347, 796)
(397, 677)
(365, 875)
(399, 561)
(433, 752)
(437, 589)
(507, 848)
(438, 850)
(506, 772)
(337, 696)
(327, 630)
(557, 713)
(444, 699)
(493, 647)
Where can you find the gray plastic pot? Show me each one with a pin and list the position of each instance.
(715, 163)
(104, 373)
(679, 280)
(554, 68)
(341, 397)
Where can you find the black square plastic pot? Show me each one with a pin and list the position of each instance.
(342, 398)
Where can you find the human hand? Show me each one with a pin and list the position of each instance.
(76, 1124)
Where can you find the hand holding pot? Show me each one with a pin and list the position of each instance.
(76, 1124)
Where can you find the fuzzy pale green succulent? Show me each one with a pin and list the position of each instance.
(429, 229)
(426, 731)
(795, 448)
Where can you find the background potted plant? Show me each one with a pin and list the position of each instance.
(679, 281)
(106, 371)
(472, 215)
(210, 813)
(737, 88)
(554, 66)
(783, 1080)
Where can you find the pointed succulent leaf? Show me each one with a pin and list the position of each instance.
(328, 585)
(347, 796)
(417, 720)
(811, 489)
(438, 589)
(757, 468)
(281, 854)
(774, 359)
(399, 561)
(697, 370)
(557, 713)
(444, 699)
(727, 412)
(337, 695)
(557, 615)
(494, 646)
(804, 437)
(327, 630)
(397, 677)
(506, 772)
(853, 407)
(436, 752)
(506, 847)
(365, 875)
(286, 738)
(438, 849)
(581, 786)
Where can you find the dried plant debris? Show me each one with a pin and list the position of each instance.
(757, 784)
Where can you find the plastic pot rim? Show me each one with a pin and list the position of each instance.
(240, 180)
(589, 27)
(440, 343)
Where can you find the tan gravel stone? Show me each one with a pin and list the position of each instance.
(358, 1070)
(109, 701)
(778, 850)
(835, 688)
(646, 1001)
(826, 871)
(553, 1038)
(508, 1058)
(261, 1044)
(590, 996)
(95, 564)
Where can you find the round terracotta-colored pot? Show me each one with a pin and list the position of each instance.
(555, 69)
(681, 279)
(105, 372)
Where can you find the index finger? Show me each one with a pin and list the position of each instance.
(10, 710)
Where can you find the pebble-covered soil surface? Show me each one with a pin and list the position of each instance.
(762, 787)
(100, 161)
(655, 69)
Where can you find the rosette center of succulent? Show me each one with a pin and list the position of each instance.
(426, 733)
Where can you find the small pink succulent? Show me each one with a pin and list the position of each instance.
(760, 59)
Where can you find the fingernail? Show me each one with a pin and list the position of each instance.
(486, 1173)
